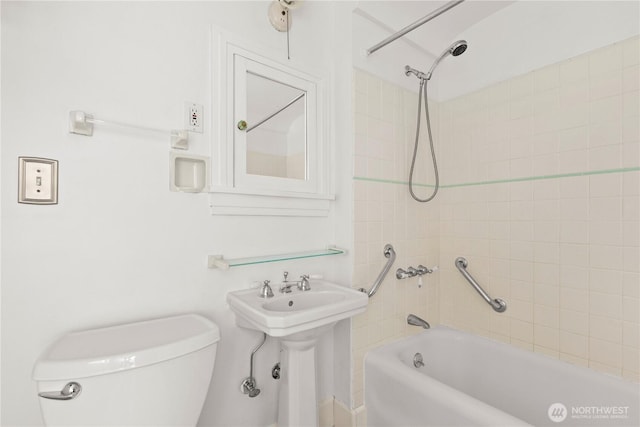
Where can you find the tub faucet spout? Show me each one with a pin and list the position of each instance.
(414, 320)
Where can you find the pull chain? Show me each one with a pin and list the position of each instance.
(288, 54)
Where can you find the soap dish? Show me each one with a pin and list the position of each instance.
(188, 173)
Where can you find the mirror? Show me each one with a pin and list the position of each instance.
(276, 133)
(276, 128)
(271, 154)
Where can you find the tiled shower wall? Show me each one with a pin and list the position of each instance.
(542, 174)
(541, 184)
(385, 117)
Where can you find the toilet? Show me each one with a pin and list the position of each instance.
(149, 373)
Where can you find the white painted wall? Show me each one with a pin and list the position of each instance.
(119, 246)
(387, 63)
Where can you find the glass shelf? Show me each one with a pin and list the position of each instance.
(218, 261)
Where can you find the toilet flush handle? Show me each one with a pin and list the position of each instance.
(70, 391)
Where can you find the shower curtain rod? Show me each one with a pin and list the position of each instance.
(439, 11)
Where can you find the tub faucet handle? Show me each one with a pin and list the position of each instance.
(401, 274)
(423, 270)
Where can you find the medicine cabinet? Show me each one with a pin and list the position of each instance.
(271, 149)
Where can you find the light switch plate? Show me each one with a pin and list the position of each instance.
(37, 181)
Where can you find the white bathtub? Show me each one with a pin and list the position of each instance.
(468, 380)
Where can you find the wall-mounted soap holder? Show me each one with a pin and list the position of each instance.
(188, 173)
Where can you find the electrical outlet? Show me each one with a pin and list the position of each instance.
(37, 181)
(193, 117)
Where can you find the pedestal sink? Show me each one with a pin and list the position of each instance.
(298, 319)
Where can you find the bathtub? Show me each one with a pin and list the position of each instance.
(468, 380)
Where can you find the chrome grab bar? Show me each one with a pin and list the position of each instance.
(390, 253)
(497, 304)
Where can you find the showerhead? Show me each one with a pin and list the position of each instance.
(456, 49)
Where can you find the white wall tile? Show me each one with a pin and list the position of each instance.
(605, 109)
(605, 329)
(574, 344)
(560, 250)
(605, 85)
(574, 69)
(575, 322)
(605, 60)
(605, 352)
(631, 52)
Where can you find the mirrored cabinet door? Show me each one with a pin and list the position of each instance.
(274, 136)
(271, 155)
(276, 129)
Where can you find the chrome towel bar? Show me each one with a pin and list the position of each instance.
(497, 304)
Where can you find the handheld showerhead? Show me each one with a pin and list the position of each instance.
(456, 49)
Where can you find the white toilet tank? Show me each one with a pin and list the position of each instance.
(150, 373)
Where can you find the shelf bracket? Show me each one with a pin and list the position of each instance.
(217, 261)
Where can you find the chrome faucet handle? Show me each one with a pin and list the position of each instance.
(401, 274)
(424, 270)
(266, 291)
(303, 284)
(285, 274)
(412, 272)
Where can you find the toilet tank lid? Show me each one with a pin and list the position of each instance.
(116, 348)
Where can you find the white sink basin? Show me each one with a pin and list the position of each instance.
(299, 311)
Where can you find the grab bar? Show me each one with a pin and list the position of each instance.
(390, 253)
(497, 304)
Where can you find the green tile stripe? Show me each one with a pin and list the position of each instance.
(504, 181)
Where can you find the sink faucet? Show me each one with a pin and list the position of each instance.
(286, 287)
(286, 284)
(303, 284)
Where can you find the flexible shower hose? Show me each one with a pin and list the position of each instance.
(423, 88)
